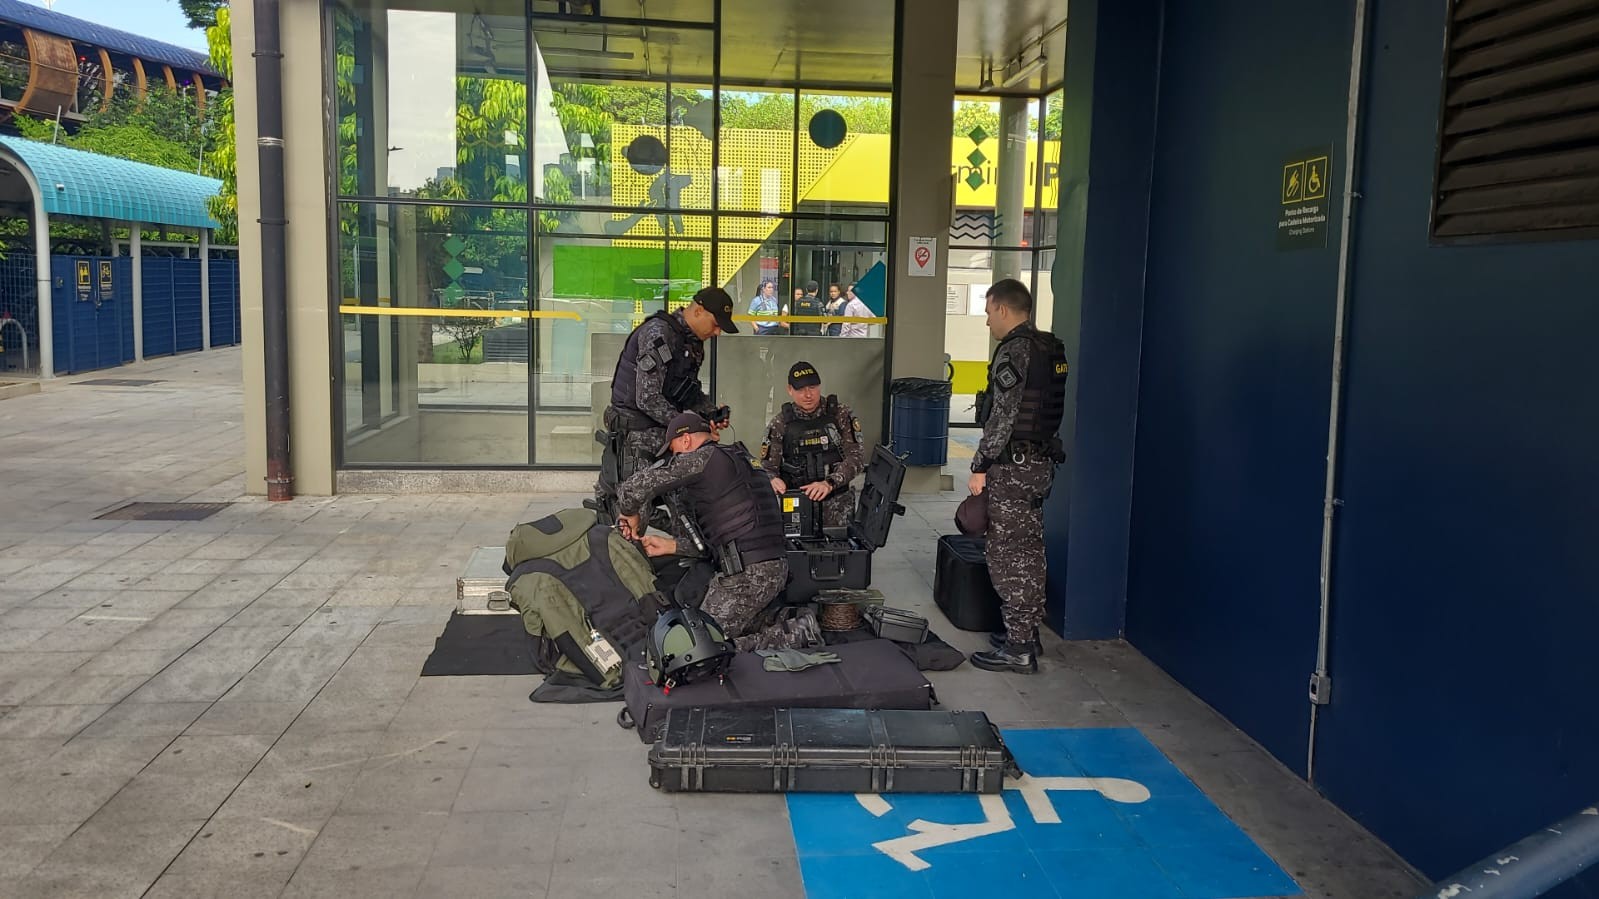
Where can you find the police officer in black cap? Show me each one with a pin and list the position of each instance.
(814, 445)
(724, 493)
(657, 376)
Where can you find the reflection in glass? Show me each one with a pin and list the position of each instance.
(444, 389)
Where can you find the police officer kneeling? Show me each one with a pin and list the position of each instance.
(1015, 462)
(727, 494)
(814, 446)
(656, 377)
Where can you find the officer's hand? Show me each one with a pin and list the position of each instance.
(631, 527)
(659, 546)
(978, 481)
(818, 491)
(778, 487)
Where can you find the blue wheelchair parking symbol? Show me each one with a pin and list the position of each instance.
(1101, 814)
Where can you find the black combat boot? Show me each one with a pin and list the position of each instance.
(1019, 658)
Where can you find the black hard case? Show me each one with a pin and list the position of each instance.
(844, 562)
(871, 674)
(829, 751)
(961, 586)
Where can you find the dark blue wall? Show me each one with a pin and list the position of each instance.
(1465, 605)
(1466, 578)
(1112, 59)
(1232, 405)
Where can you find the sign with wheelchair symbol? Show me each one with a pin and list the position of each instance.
(1100, 814)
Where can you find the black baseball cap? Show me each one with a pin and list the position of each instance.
(683, 423)
(718, 303)
(803, 374)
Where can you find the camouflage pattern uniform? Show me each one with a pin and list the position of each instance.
(1016, 494)
(733, 600)
(839, 506)
(640, 445)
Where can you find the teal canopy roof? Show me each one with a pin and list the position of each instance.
(75, 182)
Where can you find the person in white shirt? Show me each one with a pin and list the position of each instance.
(854, 308)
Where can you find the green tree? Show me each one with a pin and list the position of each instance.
(972, 114)
(221, 157)
(202, 14)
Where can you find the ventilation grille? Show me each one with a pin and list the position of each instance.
(163, 512)
(1519, 140)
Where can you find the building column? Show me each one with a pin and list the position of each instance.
(136, 253)
(205, 288)
(42, 281)
(1107, 147)
(921, 198)
(1010, 194)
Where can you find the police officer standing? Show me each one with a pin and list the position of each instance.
(1015, 463)
(814, 446)
(657, 376)
(725, 490)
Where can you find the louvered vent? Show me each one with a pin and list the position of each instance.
(1519, 148)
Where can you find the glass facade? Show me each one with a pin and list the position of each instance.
(519, 185)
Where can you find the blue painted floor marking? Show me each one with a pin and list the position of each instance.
(1102, 814)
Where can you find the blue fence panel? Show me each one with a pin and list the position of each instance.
(224, 275)
(189, 331)
(160, 337)
(19, 301)
(93, 320)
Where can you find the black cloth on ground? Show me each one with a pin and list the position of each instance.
(482, 645)
(932, 655)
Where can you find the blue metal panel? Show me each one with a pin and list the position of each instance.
(41, 19)
(93, 329)
(74, 182)
(224, 302)
(1465, 607)
(160, 319)
(1232, 416)
(186, 296)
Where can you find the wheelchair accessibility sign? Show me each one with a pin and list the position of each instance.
(1100, 814)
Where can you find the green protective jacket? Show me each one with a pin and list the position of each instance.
(585, 591)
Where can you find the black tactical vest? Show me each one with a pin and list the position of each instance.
(807, 305)
(1043, 386)
(811, 446)
(733, 501)
(680, 352)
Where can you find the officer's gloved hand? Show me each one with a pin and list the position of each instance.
(793, 659)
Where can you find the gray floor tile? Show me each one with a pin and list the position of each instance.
(249, 849)
(23, 846)
(229, 718)
(316, 882)
(373, 842)
(62, 721)
(406, 789)
(146, 719)
(290, 673)
(507, 878)
(218, 884)
(727, 874)
(541, 789)
(113, 859)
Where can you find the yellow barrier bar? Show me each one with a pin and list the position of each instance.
(968, 377)
(821, 319)
(461, 313)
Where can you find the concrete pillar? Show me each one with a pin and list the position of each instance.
(1010, 204)
(205, 288)
(1107, 147)
(305, 162)
(921, 197)
(42, 281)
(136, 253)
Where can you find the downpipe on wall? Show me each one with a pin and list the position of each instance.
(274, 258)
(1320, 681)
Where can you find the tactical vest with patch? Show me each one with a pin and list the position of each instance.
(811, 446)
(1043, 384)
(681, 354)
(734, 503)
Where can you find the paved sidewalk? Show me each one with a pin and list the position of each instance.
(231, 707)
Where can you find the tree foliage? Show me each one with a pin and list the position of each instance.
(221, 158)
(202, 14)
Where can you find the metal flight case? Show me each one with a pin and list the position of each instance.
(844, 560)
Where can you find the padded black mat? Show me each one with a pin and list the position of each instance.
(481, 644)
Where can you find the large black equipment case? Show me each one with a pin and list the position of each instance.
(961, 586)
(871, 674)
(844, 561)
(829, 751)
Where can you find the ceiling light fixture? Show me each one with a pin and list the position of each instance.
(1026, 70)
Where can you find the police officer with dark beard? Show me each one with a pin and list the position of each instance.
(725, 491)
(657, 376)
(1015, 463)
(814, 445)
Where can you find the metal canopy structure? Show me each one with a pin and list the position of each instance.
(74, 182)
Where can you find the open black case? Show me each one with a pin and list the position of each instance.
(843, 561)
